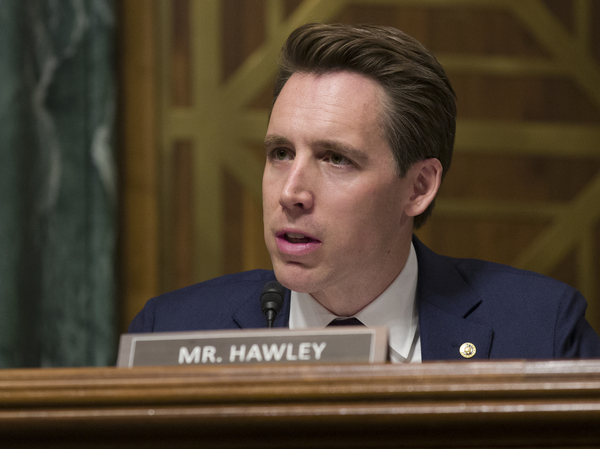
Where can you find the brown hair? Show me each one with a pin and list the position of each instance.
(419, 116)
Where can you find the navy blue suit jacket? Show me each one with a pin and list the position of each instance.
(504, 312)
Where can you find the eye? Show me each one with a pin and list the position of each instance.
(279, 154)
(338, 159)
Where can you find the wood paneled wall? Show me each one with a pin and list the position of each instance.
(524, 187)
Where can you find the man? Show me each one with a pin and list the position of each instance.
(360, 135)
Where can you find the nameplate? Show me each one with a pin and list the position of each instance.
(347, 344)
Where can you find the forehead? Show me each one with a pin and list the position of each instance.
(338, 102)
(339, 87)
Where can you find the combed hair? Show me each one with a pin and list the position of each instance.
(419, 113)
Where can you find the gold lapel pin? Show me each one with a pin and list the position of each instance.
(467, 350)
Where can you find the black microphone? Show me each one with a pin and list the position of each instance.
(271, 301)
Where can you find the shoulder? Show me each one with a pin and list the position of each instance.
(206, 305)
(488, 277)
(481, 274)
(531, 315)
(504, 289)
(544, 316)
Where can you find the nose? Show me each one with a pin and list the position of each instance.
(297, 192)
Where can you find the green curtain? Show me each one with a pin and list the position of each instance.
(57, 183)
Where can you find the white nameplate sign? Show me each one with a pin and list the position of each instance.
(333, 345)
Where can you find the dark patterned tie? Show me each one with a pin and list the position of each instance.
(345, 322)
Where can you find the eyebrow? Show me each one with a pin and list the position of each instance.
(342, 148)
(332, 145)
(274, 140)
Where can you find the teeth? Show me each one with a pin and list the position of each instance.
(295, 236)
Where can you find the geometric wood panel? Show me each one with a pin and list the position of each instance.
(525, 184)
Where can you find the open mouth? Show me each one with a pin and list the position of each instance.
(296, 244)
(297, 238)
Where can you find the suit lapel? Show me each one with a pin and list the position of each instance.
(445, 302)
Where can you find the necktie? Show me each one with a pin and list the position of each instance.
(345, 322)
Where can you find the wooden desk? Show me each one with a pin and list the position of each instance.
(464, 404)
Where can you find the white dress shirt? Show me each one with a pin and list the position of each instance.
(395, 309)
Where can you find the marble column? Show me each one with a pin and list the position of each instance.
(57, 183)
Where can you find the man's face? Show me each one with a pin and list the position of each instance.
(333, 203)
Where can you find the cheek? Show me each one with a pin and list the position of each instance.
(382, 208)
(356, 216)
(269, 191)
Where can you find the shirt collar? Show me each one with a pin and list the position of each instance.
(395, 309)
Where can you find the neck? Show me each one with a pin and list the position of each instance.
(350, 297)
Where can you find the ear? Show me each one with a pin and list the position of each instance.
(425, 178)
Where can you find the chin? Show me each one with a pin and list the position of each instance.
(296, 278)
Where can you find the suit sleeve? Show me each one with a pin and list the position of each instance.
(574, 336)
(144, 320)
